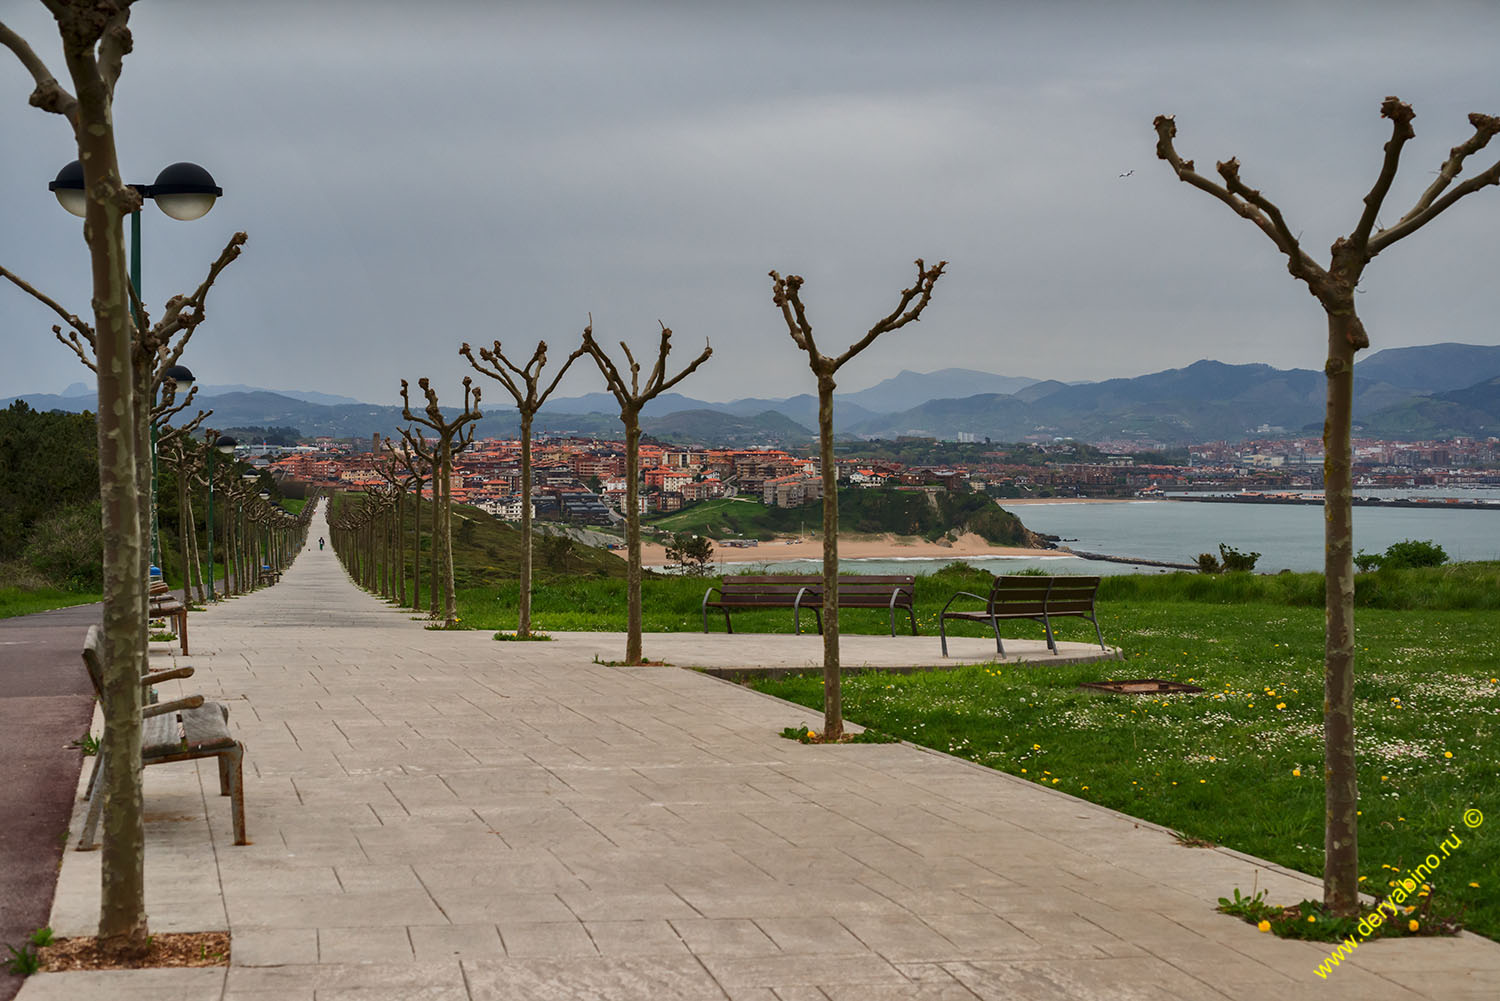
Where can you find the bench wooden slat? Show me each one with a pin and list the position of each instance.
(1040, 599)
(799, 591)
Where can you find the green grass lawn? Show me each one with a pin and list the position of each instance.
(23, 601)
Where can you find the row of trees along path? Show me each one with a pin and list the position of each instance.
(129, 356)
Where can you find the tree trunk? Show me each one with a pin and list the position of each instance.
(432, 549)
(450, 601)
(632, 420)
(122, 907)
(833, 704)
(1341, 796)
(523, 622)
(401, 545)
(416, 555)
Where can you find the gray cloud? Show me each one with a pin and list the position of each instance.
(412, 176)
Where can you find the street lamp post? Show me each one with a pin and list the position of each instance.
(223, 445)
(184, 191)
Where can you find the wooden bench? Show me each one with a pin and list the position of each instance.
(180, 730)
(164, 605)
(1040, 599)
(805, 591)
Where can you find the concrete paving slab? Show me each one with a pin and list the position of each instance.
(433, 814)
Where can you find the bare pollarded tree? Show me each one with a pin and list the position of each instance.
(95, 41)
(453, 435)
(787, 295)
(177, 447)
(632, 396)
(528, 402)
(1334, 286)
(415, 470)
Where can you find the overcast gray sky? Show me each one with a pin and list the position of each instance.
(413, 175)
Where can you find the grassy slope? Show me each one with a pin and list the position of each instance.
(724, 517)
(488, 554)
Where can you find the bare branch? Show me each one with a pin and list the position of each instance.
(49, 94)
(115, 45)
(1244, 201)
(185, 313)
(172, 433)
(606, 366)
(70, 319)
(1429, 206)
(72, 341)
(1400, 115)
(168, 407)
(692, 366)
(498, 365)
(574, 356)
(785, 294)
(634, 397)
(905, 312)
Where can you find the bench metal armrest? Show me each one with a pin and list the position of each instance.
(191, 702)
(797, 609)
(963, 594)
(704, 607)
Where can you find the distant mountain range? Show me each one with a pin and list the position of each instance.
(1435, 391)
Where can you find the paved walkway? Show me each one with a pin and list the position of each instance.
(438, 816)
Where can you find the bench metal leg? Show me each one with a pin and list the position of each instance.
(1099, 633)
(1047, 626)
(999, 646)
(232, 762)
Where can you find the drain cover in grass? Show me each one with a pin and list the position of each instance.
(1140, 686)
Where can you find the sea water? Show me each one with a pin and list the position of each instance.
(1287, 536)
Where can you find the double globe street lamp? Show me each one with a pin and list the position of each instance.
(184, 191)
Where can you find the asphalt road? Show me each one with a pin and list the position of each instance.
(45, 704)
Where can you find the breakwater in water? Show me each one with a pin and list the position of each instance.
(1428, 503)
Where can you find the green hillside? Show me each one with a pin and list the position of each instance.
(487, 551)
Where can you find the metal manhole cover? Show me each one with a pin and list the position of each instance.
(1140, 686)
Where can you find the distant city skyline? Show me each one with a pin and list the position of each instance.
(414, 176)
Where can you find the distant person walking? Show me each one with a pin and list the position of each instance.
(320, 543)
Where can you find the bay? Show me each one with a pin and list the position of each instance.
(1288, 536)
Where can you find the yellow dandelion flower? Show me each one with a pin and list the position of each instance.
(1036, 747)
(1281, 705)
(1447, 754)
(1264, 925)
(1312, 919)
(1412, 925)
(1296, 773)
(1474, 885)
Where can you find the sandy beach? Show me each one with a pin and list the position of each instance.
(852, 547)
(1029, 501)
